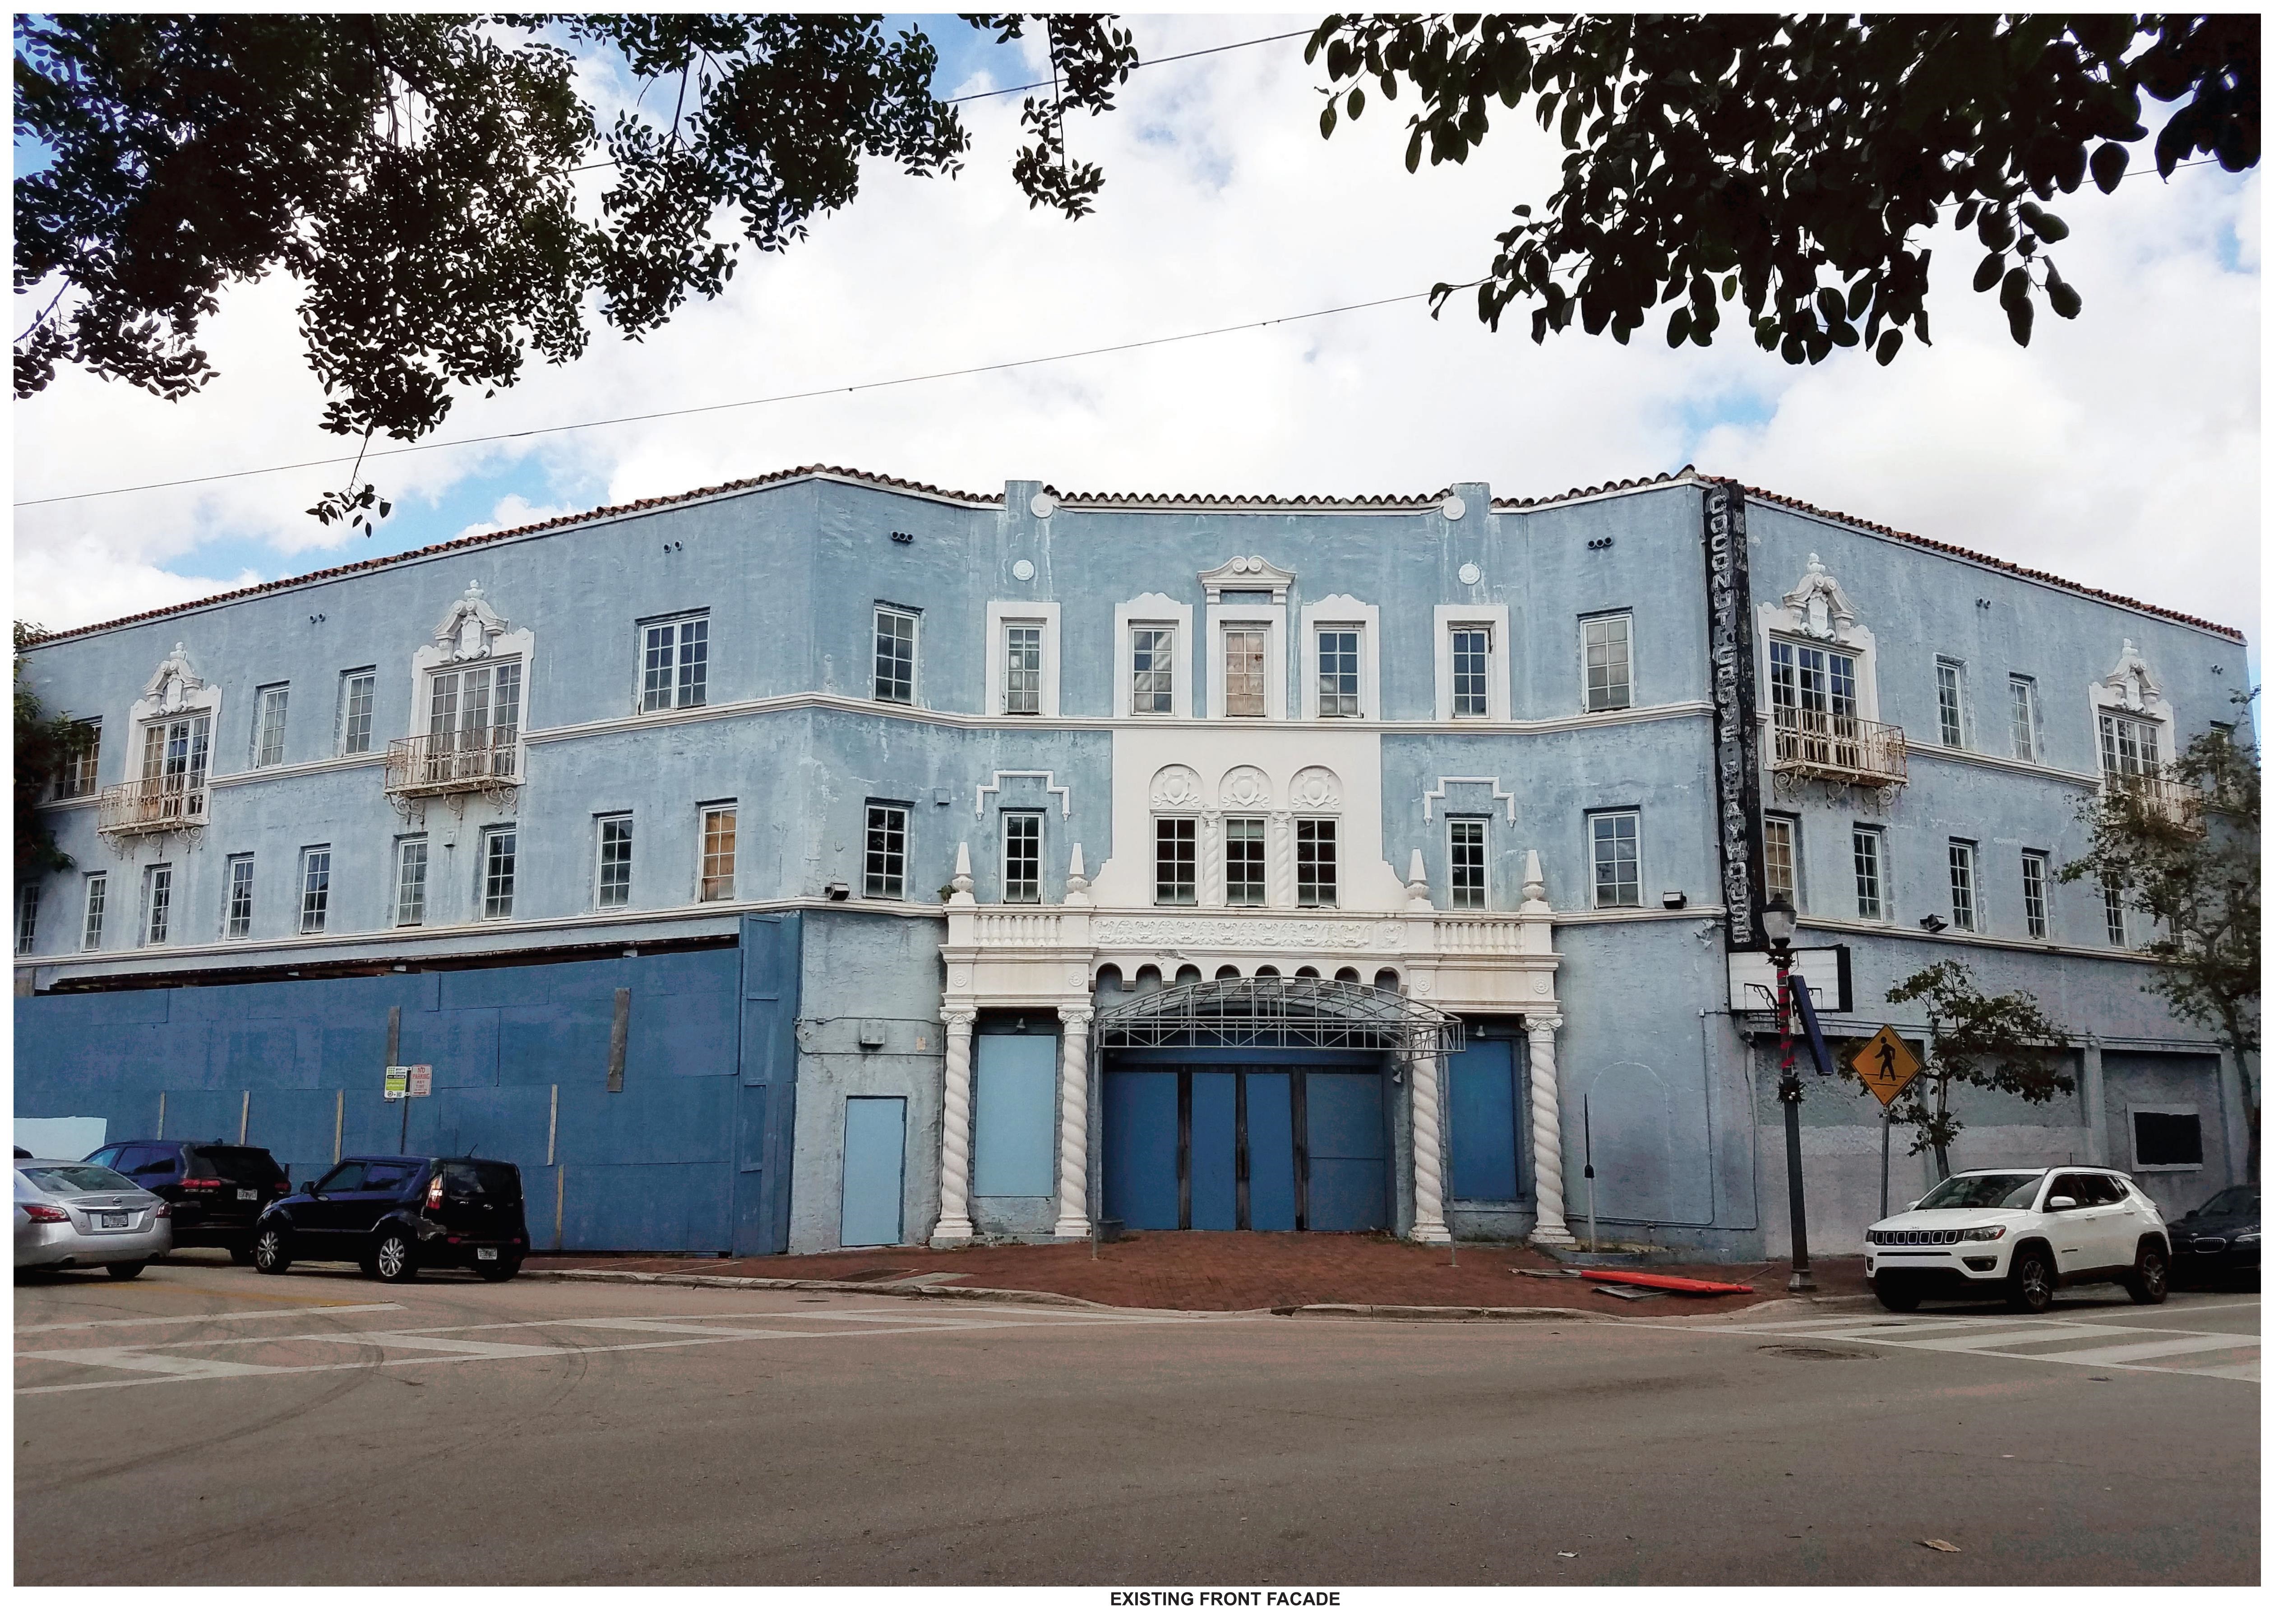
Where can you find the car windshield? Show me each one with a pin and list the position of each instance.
(79, 1176)
(2234, 1201)
(2013, 1190)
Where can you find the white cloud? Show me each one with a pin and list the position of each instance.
(513, 512)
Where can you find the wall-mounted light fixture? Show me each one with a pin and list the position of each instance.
(1675, 898)
(1934, 922)
(903, 537)
(1596, 543)
(836, 891)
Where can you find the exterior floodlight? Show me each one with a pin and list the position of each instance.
(1935, 923)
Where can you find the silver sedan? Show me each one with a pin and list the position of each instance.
(74, 1214)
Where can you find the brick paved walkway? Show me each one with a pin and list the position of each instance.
(1207, 1270)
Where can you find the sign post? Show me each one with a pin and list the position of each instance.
(1587, 1139)
(1887, 1065)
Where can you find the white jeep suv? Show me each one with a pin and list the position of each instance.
(2020, 1232)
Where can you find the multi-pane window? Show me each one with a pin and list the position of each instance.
(717, 883)
(268, 725)
(1316, 865)
(2112, 905)
(675, 663)
(27, 917)
(1152, 669)
(2035, 899)
(2127, 746)
(1472, 654)
(885, 863)
(315, 887)
(498, 855)
(1466, 837)
(2023, 692)
(1339, 692)
(1962, 915)
(1617, 839)
(356, 690)
(78, 776)
(1245, 882)
(237, 920)
(157, 903)
(1176, 861)
(1871, 875)
(895, 681)
(411, 881)
(1022, 857)
(473, 718)
(1812, 699)
(1243, 669)
(97, 900)
(613, 883)
(1607, 643)
(1950, 702)
(1781, 855)
(174, 753)
(1022, 669)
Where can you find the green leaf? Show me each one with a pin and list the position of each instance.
(1729, 287)
(1357, 100)
(1327, 122)
(2052, 227)
(2066, 300)
(1890, 341)
(1678, 327)
(2015, 288)
(2109, 162)
(1413, 158)
(2019, 315)
(1986, 273)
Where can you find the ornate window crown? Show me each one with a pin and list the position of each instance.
(1823, 609)
(465, 632)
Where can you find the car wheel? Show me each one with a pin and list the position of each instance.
(2029, 1286)
(2150, 1279)
(1894, 1299)
(498, 1274)
(392, 1259)
(272, 1253)
(241, 1255)
(124, 1271)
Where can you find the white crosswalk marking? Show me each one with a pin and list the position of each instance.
(146, 1364)
(2112, 1343)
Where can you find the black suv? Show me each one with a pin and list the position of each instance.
(217, 1191)
(396, 1215)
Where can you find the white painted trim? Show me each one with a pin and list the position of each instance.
(1333, 611)
(1498, 794)
(1448, 616)
(1579, 625)
(2110, 693)
(1153, 609)
(1969, 740)
(2062, 776)
(1051, 786)
(1002, 613)
(1860, 645)
(1273, 619)
(2132, 1138)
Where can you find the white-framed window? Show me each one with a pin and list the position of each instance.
(1964, 913)
(1810, 688)
(1606, 662)
(157, 903)
(1152, 664)
(2037, 896)
(1615, 843)
(1465, 851)
(1247, 873)
(499, 857)
(1022, 857)
(1022, 659)
(2166, 1139)
(2128, 745)
(77, 777)
(1950, 702)
(268, 708)
(97, 900)
(884, 858)
(611, 876)
(2022, 693)
(27, 917)
(675, 662)
(411, 880)
(716, 882)
(1022, 668)
(356, 691)
(1152, 669)
(894, 679)
(315, 887)
(1471, 662)
(1341, 646)
(475, 710)
(237, 916)
(1780, 857)
(174, 755)
(2111, 909)
(1317, 863)
(1338, 670)
(1471, 657)
(1176, 862)
(1870, 848)
(1244, 647)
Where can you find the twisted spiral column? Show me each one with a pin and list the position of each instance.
(1428, 1156)
(954, 1225)
(1547, 1134)
(1074, 1123)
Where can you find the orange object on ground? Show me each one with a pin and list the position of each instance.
(1666, 1282)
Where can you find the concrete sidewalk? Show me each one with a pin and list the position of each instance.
(1235, 1271)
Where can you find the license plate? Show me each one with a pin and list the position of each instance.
(116, 1220)
(486, 1254)
(248, 1195)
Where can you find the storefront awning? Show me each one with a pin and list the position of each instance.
(1271, 1011)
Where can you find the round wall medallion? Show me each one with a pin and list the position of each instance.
(1471, 574)
(1043, 505)
(1023, 570)
(962, 978)
(1453, 508)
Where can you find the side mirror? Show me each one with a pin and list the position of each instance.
(307, 1186)
(1913, 1206)
(2060, 1204)
(2192, 1211)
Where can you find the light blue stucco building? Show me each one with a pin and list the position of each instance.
(826, 860)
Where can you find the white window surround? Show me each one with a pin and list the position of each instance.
(2132, 1115)
(1153, 609)
(174, 690)
(1248, 575)
(2130, 689)
(1496, 687)
(470, 632)
(1002, 613)
(1817, 611)
(1337, 610)
(1601, 617)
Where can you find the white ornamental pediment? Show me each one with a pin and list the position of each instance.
(1250, 574)
(1244, 789)
(1316, 789)
(1821, 607)
(2132, 680)
(1232, 936)
(1176, 788)
(465, 632)
(175, 684)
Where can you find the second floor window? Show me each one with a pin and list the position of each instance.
(475, 707)
(1466, 837)
(1950, 702)
(1471, 655)
(1871, 875)
(237, 920)
(613, 885)
(1022, 670)
(98, 898)
(884, 861)
(78, 776)
(1152, 669)
(2128, 747)
(174, 753)
(356, 689)
(675, 663)
(157, 904)
(895, 681)
(1247, 882)
(498, 860)
(27, 918)
(268, 725)
(1243, 669)
(2022, 692)
(717, 883)
(1781, 855)
(2111, 909)
(1616, 838)
(2033, 897)
(410, 882)
(1962, 915)
(1176, 862)
(1610, 662)
(1808, 684)
(315, 887)
(1022, 857)
(1317, 862)
(1339, 692)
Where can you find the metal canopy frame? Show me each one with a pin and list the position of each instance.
(1273, 1012)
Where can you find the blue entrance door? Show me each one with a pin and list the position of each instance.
(1346, 1134)
(1481, 1122)
(1141, 1171)
(1270, 1104)
(875, 1139)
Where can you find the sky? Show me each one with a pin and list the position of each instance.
(2120, 450)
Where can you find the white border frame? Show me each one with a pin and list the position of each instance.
(2132, 1141)
(1273, 617)
(1496, 687)
(1580, 624)
(1004, 613)
(1334, 610)
(1153, 609)
(1485, 906)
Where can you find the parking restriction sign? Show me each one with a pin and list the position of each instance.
(1886, 1065)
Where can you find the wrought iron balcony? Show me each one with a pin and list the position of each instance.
(2160, 793)
(1847, 749)
(152, 805)
(463, 762)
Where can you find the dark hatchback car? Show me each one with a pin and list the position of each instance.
(395, 1215)
(2217, 1243)
(217, 1190)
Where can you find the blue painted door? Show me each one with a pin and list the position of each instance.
(1141, 1149)
(1014, 1115)
(1270, 1150)
(876, 1137)
(1215, 1159)
(1345, 1136)
(1481, 1121)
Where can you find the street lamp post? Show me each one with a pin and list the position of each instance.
(1778, 919)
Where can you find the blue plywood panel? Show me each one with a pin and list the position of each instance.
(461, 1044)
(1481, 1122)
(1349, 1183)
(552, 1043)
(681, 1036)
(1215, 1151)
(295, 1126)
(641, 1208)
(269, 1054)
(1141, 1149)
(1014, 1114)
(876, 1134)
(201, 1114)
(1271, 1151)
(352, 1057)
(502, 1125)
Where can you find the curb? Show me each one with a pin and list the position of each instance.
(747, 1282)
(1396, 1310)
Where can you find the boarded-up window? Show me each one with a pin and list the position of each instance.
(2166, 1139)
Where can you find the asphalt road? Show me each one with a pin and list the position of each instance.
(221, 1427)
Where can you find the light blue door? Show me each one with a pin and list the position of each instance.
(1141, 1177)
(1214, 1170)
(1481, 1122)
(1271, 1151)
(1014, 1115)
(876, 1140)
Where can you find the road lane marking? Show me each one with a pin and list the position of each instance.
(1999, 1339)
(2125, 1353)
(433, 1344)
(252, 1313)
(158, 1364)
(1969, 1336)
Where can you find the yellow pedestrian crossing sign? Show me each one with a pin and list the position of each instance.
(1886, 1063)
